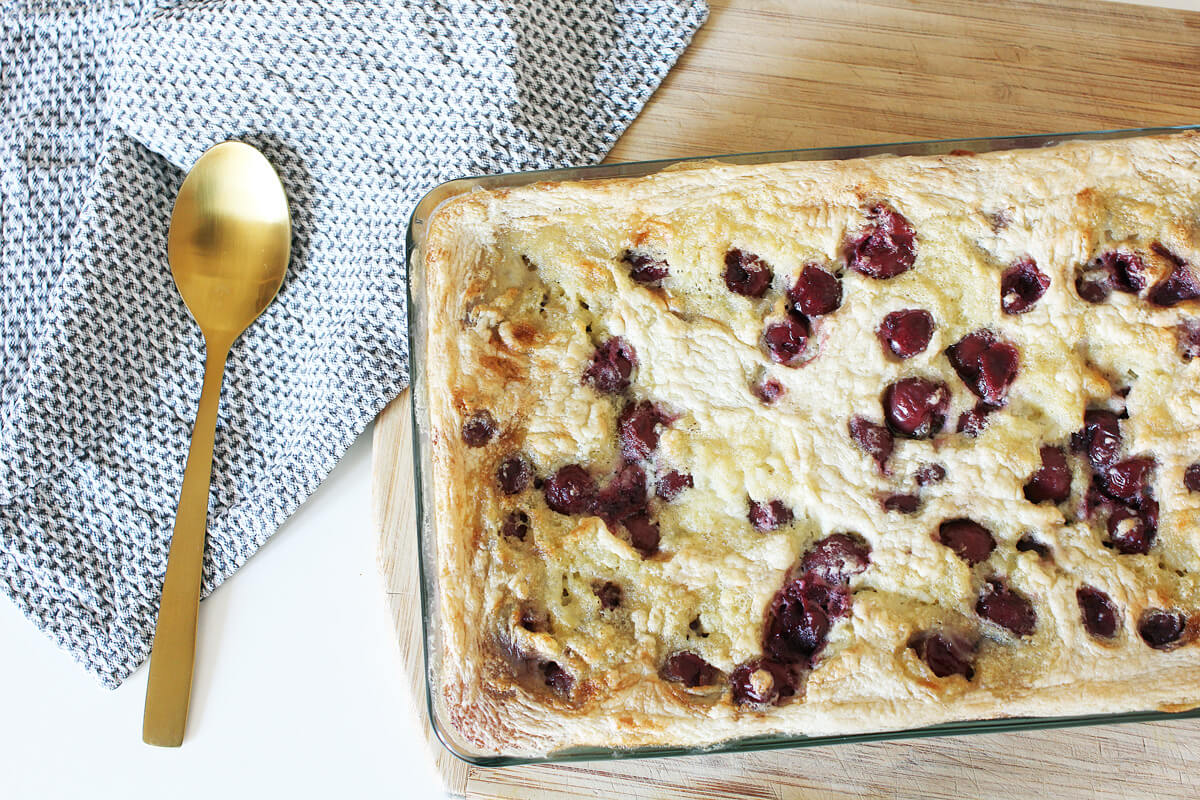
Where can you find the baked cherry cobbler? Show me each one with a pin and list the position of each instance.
(817, 447)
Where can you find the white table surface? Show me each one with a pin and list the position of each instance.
(296, 690)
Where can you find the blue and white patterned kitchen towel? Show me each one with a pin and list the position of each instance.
(361, 107)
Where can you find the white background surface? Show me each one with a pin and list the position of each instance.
(297, 689)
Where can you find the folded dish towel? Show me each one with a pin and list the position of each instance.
(361, 107)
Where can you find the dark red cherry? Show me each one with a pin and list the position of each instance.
(1100, 438)
(1148, 511)
(557, 678)
(1095, 501)
(1161, 629)
(875, 440)
(986, 365)
(796, 628)
(643, 534)
(479, 428)
(1123, 271)
(637, 428)
(885, 248)
(1028, 544)
(969, 540)
(901, 503)
(799, 618)
(1094, 287)
(1179, 285)
(689, 669)
(534, 620)
(768, 390)
(624, 495)
(1006, 607)
(761, 682)
(998, 368)
(1127, 271)
(747, 274)
(916, 407)
(1102, 432)
(906, 332)
(1098, 612)
(645, 268)
(1191, 478)
(1187, 338)
(769, 516)
(1022, 285)
(816, 291)
(837, 558)
(514, 474)
(973, 421)
(1128, 480)
(1051, 483)
(930, 474)
(609, 593)
(671, 484)
(945, 654)
(786, 340)
(516, 526)
(1132, 532)
(571, 490)
(968, 351)
(610, 367)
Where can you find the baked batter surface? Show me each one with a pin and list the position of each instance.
(817, 447)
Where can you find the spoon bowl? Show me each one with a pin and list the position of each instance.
(230, 238)
(228, 246)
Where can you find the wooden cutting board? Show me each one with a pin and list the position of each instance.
(769, 75)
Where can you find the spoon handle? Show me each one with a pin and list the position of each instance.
(171, 657)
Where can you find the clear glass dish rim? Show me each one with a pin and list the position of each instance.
(422, 474)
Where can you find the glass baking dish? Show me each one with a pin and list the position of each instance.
(418, 327)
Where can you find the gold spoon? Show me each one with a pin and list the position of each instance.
(229, 245)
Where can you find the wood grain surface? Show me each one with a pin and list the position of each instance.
(770, 75)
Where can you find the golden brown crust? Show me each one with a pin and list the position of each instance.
(523, 284)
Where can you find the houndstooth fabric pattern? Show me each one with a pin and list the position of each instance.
(361, 107)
